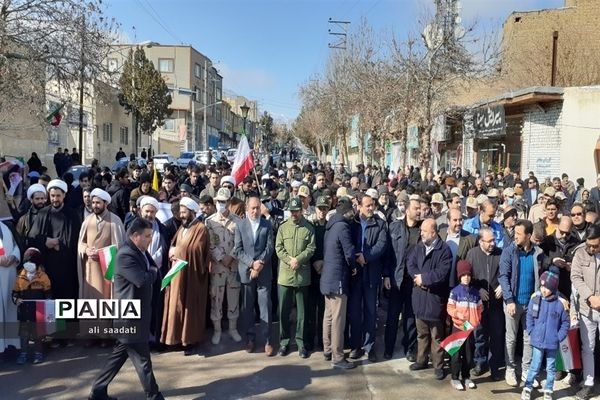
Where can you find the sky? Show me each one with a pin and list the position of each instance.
(266, 49)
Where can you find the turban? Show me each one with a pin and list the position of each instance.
(58, 184)
(149, 200)
(36, 187)
(189, 204)
(227, 179)
(100, 193)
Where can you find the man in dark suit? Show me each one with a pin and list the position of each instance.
(135, 274)
(459, 241)
(531, 193)
(253, 248)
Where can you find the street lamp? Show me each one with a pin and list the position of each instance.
(245, 110)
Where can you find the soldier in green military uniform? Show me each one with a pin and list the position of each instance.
(295, 245)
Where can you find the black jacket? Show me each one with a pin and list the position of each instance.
(339, 257)
(552, 249)
(135, 275)
(485, 272)
(397, 252)
(119, 203)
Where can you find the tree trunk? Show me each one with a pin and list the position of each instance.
(425, 144)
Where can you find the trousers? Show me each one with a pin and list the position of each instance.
(429, 336)
(256, 291)
(362, 307)
(224, 282)
(587, 330)
(489, 338)
(334, 321)
(400, 302)
(513, 325)
(287, 294)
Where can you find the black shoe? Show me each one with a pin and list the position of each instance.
(387, 356)
(478, 370)
(327, 356)
(356, 354)
(309, 347)
(283, 351)
(343, 365)
(496, 376)
(410, 357)
(372, 356)
(439, 374)
(585, 393)
(417, 366)
(303, 353)
(190, 351)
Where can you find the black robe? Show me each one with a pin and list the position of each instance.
(61, 264)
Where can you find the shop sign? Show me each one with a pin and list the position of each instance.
(489, 121)
(412, 137)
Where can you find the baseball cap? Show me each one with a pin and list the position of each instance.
(223, 194)
(560, 196)
(372, 193)
(493, 192)
(322, 202)
(549, 191)
(303, 191)
(295, 204)
(437, 198)
(472, 202)
(457, 191)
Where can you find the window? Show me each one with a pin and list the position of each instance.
(219, 94)
(169, 125)
(166, 65)
(113, 64)
(110, 132)
(198, 71)
(124, 135)
(218, 113)
(107, 132)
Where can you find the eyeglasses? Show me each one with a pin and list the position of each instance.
(576, 214)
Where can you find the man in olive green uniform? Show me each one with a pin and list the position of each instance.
(308, 211)
(315, 304)
(295, 245)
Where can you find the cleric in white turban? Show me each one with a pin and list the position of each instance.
(58, 184)
(35, 188)
(149, 200)
(189, 204)
(102, 194)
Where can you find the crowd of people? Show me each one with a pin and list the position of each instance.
(507, 255)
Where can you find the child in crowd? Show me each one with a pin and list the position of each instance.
(32, 283)
(464, 305)
(547, 325)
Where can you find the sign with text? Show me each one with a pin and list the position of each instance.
(489, 121)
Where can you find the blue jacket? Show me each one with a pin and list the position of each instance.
(509, 271)
(547, 321)
(429, 301)
(339, 256)
(473, 225)
(373, 246)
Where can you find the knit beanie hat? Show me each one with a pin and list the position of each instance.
(33, 255)
(549, 280)
(463, 267)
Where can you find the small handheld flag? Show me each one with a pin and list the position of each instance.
(454, 342)
(108, 258)
(175, 269)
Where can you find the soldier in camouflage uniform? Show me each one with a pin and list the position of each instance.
(308, 211)
(224, 271)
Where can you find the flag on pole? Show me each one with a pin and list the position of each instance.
(46, 322)
(175, 269)
(454, 342)
(155, 185)
(108, 259)
(244, 161)
(569, 356)
(55, 116)
(2, 251)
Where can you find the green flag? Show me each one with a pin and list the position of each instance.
(177, 266)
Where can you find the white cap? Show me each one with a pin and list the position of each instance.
(281, 173)
(227, 179)
(189, 204)
(296, 184)
(100, 193)
(58, 184)
(372, 193)
(149, 200)
(36, 187)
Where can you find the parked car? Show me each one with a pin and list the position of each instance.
(161, 159)
(124, 162)
(231, 155)
(76, 171)
(185, 159)
(205, 157)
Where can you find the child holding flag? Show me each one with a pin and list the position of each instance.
(465, 308)
(547, 325)
(32, 283)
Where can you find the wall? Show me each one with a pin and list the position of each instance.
(581, 132)
(541, 140)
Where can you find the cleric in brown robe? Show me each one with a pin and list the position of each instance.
(184, 316)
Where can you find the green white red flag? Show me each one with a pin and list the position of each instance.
(454, 342)
(244, 161)
(108, 259)
(2, 251)
(45, 318)
(175, 269)
(569, 356)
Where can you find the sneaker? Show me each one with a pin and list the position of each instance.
(216, 337)
(511, 377)
(456, 384)
(344, 364)
(22, 358)
(38, 358)
(439, 374)
(548, 395)
(526, 394)
(234, 334)
(585, 393)
(478, 370)
(470, 384)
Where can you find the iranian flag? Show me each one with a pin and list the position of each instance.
(2, 251)
(175, 269)
(108, 258)
(454, 342)
(55, 116)
(569, 356)
(45, 318)
(244, 161)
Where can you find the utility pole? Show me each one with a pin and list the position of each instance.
(341, 37)
(205, 145)
(81, 83)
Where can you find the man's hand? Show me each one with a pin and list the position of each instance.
(294, 263)
(257, 266)
(485, 296)
(52, 243)
(498, 292)
(418, 281)
(318, 266)
(264, 210)
(354, 271)
(387, 283)
(172, 254)
(253, 274)
(92, 253)
(594, 302)
(560, 263)
(4, 261)
(227, 260)
(360, 258)
(511, 309)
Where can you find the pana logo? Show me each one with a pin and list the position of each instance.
(97, 309)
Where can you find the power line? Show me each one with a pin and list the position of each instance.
(156, 18)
